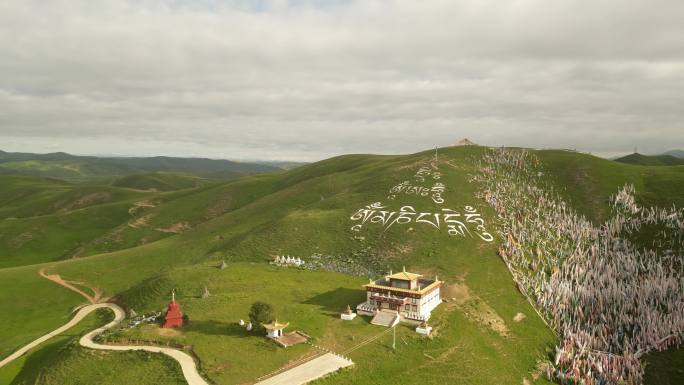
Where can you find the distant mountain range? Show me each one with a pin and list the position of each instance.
(63, 165)
(675, 153)
(670, 158)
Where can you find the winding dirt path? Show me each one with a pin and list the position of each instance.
(186, 361)
(56, 278)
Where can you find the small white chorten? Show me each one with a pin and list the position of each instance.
(348, 314)
(424, 329)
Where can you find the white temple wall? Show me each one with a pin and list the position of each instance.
(429, 302)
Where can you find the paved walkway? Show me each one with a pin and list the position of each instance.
(308, 371)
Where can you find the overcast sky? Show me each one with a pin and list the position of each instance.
(305, 80)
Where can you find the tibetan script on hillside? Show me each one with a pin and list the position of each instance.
(467, 223)
(405, 187)
(411, 188)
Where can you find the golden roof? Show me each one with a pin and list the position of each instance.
(422, 290)
(275, 325)
(405, 276)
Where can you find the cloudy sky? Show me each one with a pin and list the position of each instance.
(305, 80)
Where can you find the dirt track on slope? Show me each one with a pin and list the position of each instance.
(56, 278)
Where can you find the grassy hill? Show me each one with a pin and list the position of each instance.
(651, 160)
(587, 181)
(137, 246)
(24, 197)
(675, 153)
(46, 220)
(160, 181)
(63, 165)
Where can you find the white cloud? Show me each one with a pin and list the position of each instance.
(310, 79)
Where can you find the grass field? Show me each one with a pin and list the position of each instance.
(160, 181)
(665, 368)
(312, 302)
(32, 306)
(26, 369)
(587, 182)
(300, 212)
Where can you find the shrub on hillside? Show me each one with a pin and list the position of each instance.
(260, 313)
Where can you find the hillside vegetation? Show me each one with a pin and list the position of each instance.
(587, 182)
(138, 245)
(651, 160)
(160, 181)
(63, 165)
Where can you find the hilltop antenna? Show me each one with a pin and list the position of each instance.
(436, 154)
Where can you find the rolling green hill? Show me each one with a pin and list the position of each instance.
(160, 181)
(24, 197)
(675, 153)
(587, 181)
(63, 165)
(651, 160)
(137, 246)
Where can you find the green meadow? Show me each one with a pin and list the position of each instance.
(32, 306)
